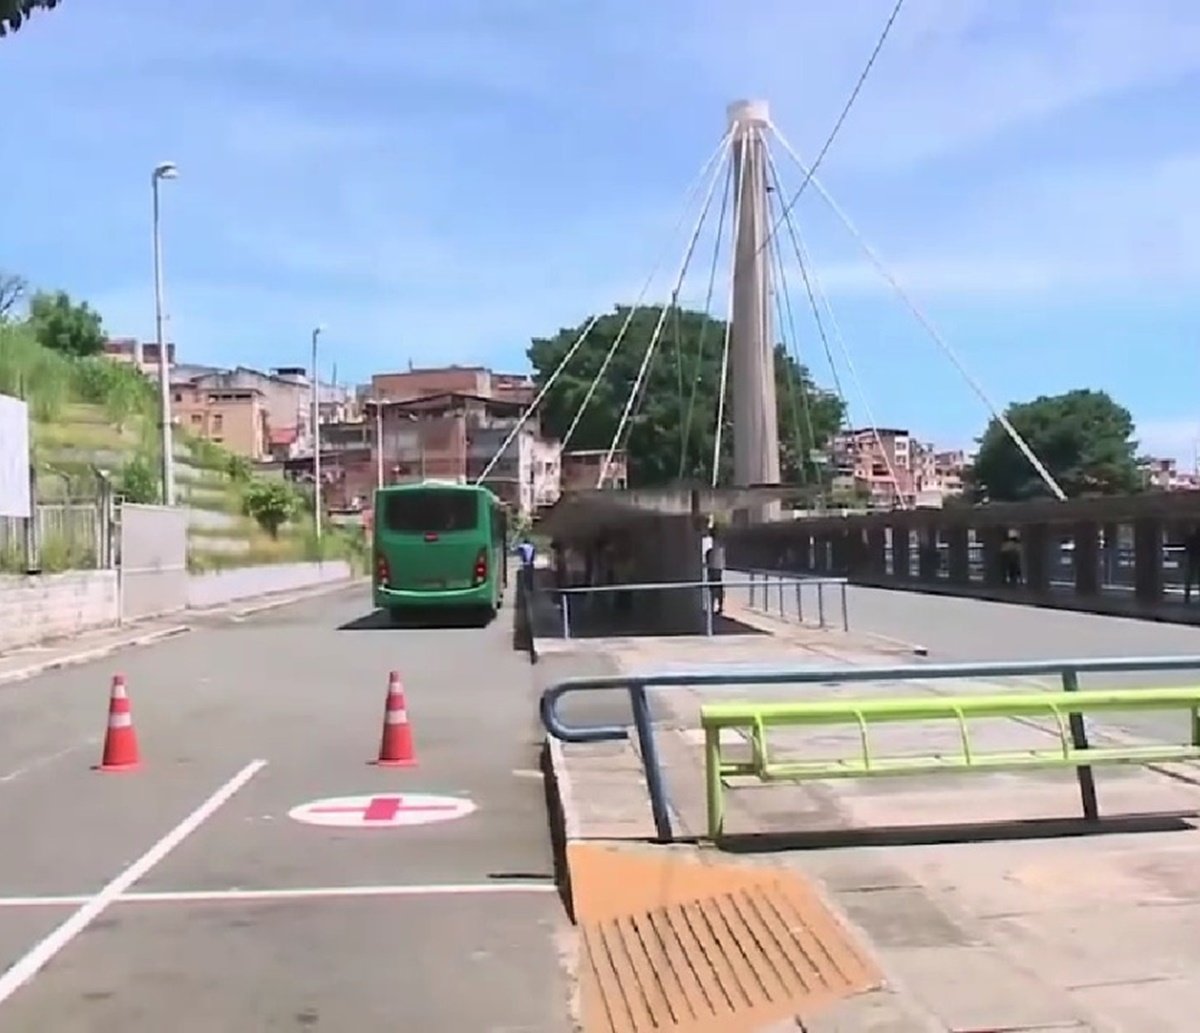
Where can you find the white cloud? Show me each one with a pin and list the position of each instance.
(954, 73)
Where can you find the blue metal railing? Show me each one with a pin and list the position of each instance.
(636, 685)
(762, 581)
(707, 587)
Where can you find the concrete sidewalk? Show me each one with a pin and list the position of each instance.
(980, 898)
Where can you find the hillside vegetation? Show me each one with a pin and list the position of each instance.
(90, 415)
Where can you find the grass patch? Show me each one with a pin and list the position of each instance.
(295, 545)
(58, 554)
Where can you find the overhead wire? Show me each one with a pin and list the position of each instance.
(841, 119)
(930, 329)
(689, 194)
(648, 356)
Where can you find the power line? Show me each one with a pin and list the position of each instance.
(837, 126)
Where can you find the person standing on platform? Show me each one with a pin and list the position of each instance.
(714, 573)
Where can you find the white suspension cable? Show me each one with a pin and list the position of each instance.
(788, 338)
(695, 185)
(708, 294)
(941, 342)
(836, 332)
(738, 182)
(662, 319)
(540, 395)
(791, 342)
(717, 157)
(817, 318)
(816, 296)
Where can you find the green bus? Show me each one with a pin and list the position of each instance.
(439, 545)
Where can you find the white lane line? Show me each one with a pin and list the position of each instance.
(48, 758)
(32, 962)
(301, 893)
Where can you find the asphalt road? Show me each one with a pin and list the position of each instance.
(955, 629)
(301, 690)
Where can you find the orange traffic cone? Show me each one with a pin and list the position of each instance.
(120, 741)
(396, 749)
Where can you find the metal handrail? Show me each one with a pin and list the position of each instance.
(798, 581)
(636, 586)
(636, 684)
(707, 585)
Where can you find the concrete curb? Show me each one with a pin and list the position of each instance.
(563, 792)
(898, 643)
(96, 653)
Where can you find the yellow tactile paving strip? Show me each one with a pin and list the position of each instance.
(668, 943)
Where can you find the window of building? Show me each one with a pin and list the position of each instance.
(196, 418)
(218, 422)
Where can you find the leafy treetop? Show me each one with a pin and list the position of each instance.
(14, 12)
(65, 327)
(672, 429)
(1083, 437)
(272, 503)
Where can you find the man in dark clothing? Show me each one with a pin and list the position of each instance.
(714, 572)
(1010, 559)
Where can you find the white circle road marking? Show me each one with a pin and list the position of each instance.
(382, 810)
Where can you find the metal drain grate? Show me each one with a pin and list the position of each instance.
(750, 947)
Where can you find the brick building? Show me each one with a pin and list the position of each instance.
(442, 424)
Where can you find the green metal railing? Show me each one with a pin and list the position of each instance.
(638, 684)
(1059, 707)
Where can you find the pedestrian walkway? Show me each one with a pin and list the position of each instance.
(978, 897)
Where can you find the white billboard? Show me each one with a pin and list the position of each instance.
(14, 458)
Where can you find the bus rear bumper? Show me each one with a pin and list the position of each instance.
(453, 598)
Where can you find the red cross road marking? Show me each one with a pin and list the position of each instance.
(383, 808)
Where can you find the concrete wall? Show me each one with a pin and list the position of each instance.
(225, 586)
(667, 548)
(33, 608)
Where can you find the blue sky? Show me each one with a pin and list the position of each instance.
(441, 181)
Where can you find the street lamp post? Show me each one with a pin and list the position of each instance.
(316, 436)
(164, 170)
(378, 443)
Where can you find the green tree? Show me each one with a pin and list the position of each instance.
(138, 480)
(674, 419)
(1082, 437)
(271, 503)
(65, 327)
(14, 12)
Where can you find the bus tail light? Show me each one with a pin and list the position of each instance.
(481, 567)
(383, 574)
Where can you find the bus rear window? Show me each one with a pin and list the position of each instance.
(439, 512)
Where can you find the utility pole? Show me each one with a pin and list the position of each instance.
(378, 444)
(752, 350)
(164, 170)
(316, 436)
